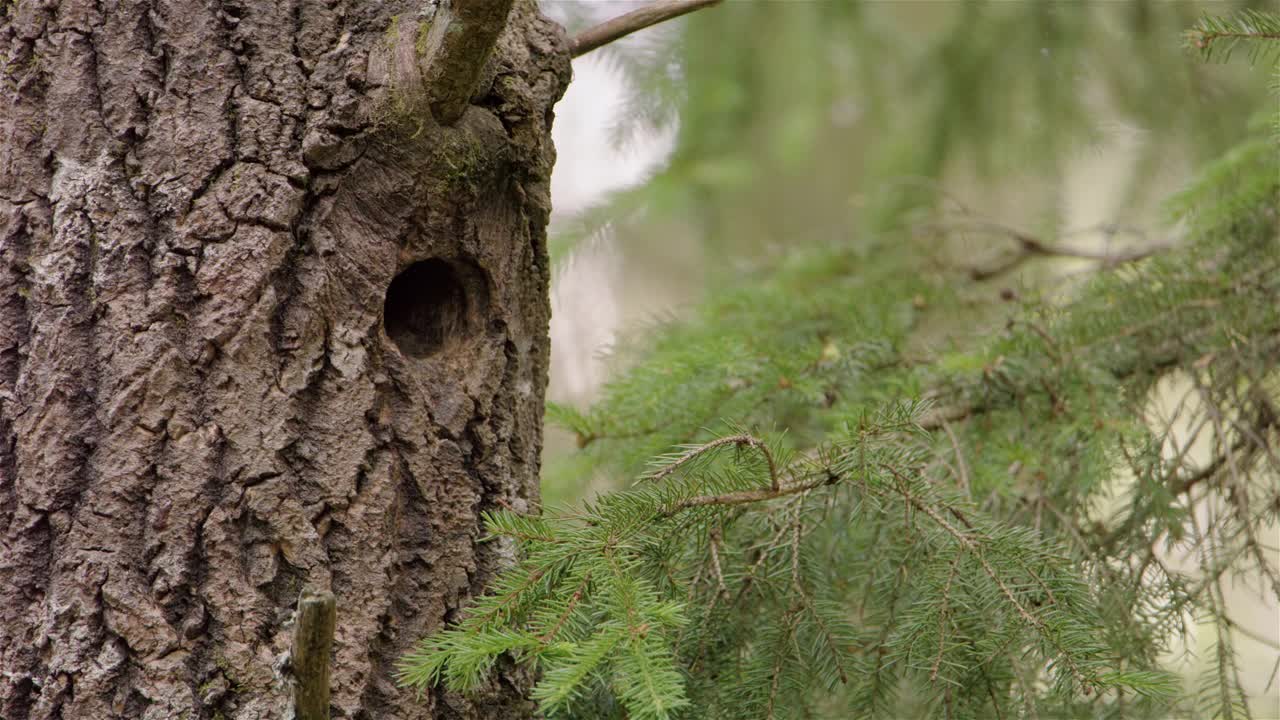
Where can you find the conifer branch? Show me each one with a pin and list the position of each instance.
(1221, 34)
(1239, 491)
(750, 577)
(943, 616)
(743, 497)
(574, 599)
(741, 439)
(1178, 487)
(623, 25)
(1203, 39)
(968, 543)
(512, 597)
(789, 627)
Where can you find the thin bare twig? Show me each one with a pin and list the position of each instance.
(1255, 636)
(623, 25)
(942, 618)
(964, 469)
(1030, 246)
(797, 532)
(714, 545)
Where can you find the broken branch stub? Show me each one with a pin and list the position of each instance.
(458, 44)
(312, 644)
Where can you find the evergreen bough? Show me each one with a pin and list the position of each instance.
(960, 555)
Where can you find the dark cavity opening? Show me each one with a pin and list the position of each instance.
(426, 308)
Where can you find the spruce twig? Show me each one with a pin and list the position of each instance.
(1222, 34)
(775, 481)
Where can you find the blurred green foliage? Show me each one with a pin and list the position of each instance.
(816, 121)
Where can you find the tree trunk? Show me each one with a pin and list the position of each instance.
(264, 325)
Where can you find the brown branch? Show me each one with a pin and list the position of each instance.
(1030, 246)
(714, 544)
(936, 418)
(623, 25)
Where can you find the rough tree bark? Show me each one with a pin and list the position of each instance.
(263, 324)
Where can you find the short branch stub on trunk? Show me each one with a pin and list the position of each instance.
(461, 38)
(312, 642)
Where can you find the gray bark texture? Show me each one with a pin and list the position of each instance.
(264, 325)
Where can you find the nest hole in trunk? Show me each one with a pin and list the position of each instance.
(429, 307)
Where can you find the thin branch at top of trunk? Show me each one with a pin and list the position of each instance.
(623, 25)
(457, 47)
